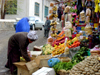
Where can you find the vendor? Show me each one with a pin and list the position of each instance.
(17, 46)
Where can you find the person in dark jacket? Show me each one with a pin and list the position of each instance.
(79, 6)
(47, 27)
(17, 46)
(60, 12)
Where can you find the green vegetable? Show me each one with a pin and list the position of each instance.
(64, 65)
(79, 56)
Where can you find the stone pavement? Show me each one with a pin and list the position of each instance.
(4, 36)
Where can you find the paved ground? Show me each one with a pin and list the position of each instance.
(4, 36)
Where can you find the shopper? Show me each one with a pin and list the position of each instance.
(17, 46)
(60, 12)
(23, 25)
(47, 27)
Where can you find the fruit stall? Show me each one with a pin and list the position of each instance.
(73, 51)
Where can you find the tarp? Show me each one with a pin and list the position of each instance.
(23, 25)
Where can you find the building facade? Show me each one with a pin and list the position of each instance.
(27, 8)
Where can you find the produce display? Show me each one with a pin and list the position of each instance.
(73, 43)
(84, 43)
(89, 66)
(47, 49)
(88, 29)
(22, 59)
(79, 56)
(64, 65)
(58, 50)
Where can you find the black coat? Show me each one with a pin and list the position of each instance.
(47, 25)
(79, 6)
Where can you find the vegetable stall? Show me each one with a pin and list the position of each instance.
(75, 49)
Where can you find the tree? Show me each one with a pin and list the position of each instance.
(2, 9)
(8, 7)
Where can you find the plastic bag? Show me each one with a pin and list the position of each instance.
(67, 9)
(82, 16)
(88, 29)
(68, 24)
(87, 19)
(23, 25)
(88, 12)
(70, 17)
(82, 13)
(66, 50)
(53, 61)
(68, 33)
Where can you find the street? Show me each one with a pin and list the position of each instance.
(4, 37)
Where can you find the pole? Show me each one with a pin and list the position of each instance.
(42, 8)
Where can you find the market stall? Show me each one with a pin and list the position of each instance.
(72, 50)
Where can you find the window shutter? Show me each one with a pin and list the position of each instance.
(36, 9)
(46, 11)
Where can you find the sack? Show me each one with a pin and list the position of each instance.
(68, 33)
(88, 29)
(53, 61)
(88, 12)
(68, 24)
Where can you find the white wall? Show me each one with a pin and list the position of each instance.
(47, 3)
(41, 10)
(22, 10)
(27, 8)
(32, 8)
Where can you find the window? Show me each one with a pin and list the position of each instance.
(11, 7)
(46, 11)
(36, 9)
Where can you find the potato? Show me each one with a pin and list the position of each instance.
(97, 73)
(84, 72)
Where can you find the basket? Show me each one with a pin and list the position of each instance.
(63, 72)
(95, 52)
(64, 59)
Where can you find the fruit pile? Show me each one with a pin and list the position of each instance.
(60, 39)
(58, 44)
(73, 43)
(58, 49)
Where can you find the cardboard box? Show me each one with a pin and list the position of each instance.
(36, 53)
(26, 68)
(37, 48)
(44, 71)
(42, 60)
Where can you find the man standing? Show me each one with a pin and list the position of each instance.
(17, 46)
(47, 27)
